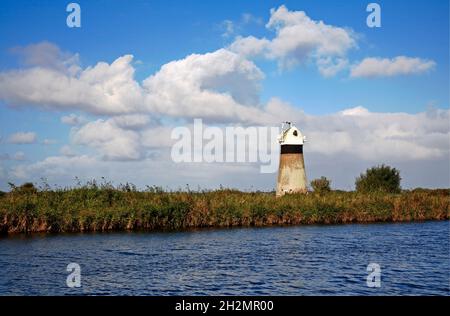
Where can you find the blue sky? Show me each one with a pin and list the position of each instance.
(158, 32)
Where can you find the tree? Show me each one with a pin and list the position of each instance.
(27, 188)
(379, 179)
(321, 185)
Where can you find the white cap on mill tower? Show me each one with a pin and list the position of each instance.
(291, 135)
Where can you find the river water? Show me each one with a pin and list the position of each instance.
(303, 260)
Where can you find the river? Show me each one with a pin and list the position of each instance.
(413, 259)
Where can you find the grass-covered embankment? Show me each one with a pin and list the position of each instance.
(104, 208)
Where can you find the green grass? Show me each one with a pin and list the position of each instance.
(103, 207)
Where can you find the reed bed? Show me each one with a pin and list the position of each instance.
(107, 208)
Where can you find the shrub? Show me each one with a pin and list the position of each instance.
(321, 185)
(379, 179)
(26, 188)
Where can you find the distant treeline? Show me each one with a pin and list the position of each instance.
(103, 207)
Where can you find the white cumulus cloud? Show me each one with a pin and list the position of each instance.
(220, 85)
(102, 89)
(113, 142)
(389, 67)
(298, 38)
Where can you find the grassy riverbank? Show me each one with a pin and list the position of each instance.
(104, 208)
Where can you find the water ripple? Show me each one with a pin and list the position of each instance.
(303, 260)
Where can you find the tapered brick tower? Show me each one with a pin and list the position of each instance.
(291, 171)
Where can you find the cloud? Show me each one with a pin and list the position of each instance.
(62, 170)
(353, 139)
(67, 151)
(219, 86)
(380, 136)
(228, 27)
(73, 119)
(131, 121)
(20, 155)
(47, 55)
(249, 46)
(389, 67)
(48, 141)
(123, 138)
(329, 67)
(356, 111)
(298, 39)
(113, 142)
(102, 89)
(367, 135)
(248, 18)
(55, 166)
(157, 137)
(298, 36)
(5, 156)
(22, 138)
(358, 132)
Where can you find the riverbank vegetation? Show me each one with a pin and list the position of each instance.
(103, 207)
